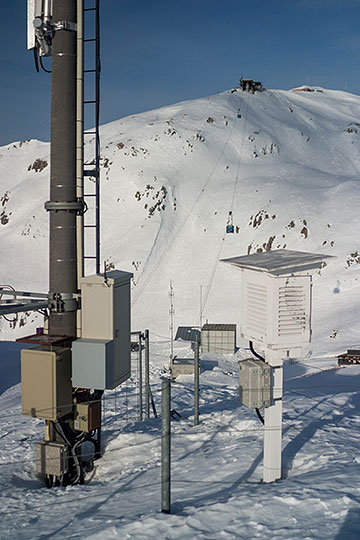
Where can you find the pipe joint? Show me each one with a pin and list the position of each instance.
(78, 206)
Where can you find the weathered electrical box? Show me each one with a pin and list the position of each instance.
(255, 383)
(51, 458)
(87, 416)
(101, 357)
(218, 338)
(46, 390)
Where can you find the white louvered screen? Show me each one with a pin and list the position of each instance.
(255, 306)
(276, 309)
(293, 310)
(256, 309)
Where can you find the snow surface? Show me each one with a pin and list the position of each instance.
(288, 169)
(217, 491)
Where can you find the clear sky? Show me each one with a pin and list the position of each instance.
(158, 52)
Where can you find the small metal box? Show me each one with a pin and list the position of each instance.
(46, 390)
(51, 458)
(218, 338)
(93, 364)
(255, 383)
(101, 358)
(87, 416)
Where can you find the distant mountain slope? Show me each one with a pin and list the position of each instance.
(286, 164)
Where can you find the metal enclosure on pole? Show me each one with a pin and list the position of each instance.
(276, 315)
(63, 202)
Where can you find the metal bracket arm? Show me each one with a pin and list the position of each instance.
(7, 307)
(65, 25)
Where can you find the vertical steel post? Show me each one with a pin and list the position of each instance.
(273, 421)
(140, 379)
(63, 256)
(165, 447)
(196, 382)
(147, 374)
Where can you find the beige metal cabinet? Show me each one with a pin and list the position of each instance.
(46, 390)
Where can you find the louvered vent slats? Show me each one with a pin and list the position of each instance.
(276, 309)
(291, 313)
(256, 308)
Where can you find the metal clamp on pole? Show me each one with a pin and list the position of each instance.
(65, 25)
(61, 302)
(68, 206)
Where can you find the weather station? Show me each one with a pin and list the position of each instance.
(276, 319)
(84, 347)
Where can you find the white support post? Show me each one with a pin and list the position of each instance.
(273, 420)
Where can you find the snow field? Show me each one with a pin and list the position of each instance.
(216, 467)
(288, 169)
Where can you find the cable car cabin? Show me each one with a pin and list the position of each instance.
(230, 223)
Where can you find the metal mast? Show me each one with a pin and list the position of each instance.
(63, 205)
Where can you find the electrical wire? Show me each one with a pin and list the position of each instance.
(179, 229)
(43, 67)
(11, 288)
(222, 242)
(36, 59)
(261, 418)
(257, 355)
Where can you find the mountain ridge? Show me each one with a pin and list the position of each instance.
(285, 163)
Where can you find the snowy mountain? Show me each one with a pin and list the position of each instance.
(285, 163)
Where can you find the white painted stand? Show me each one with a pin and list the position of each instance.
(273, 420)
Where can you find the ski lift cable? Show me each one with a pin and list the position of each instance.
(240, 156)
(218, 255)
(181, 226)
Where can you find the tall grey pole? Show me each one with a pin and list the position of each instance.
(147, 375)
(165, 447)
(196, 383)
(140, 379)
(63, 204)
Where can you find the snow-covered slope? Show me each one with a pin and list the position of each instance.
(285, 163)
(287, 168)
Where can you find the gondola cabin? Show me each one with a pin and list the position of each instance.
(230, 224)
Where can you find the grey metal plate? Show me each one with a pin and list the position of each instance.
(280, 261)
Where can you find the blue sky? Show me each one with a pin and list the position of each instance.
(158, 52)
